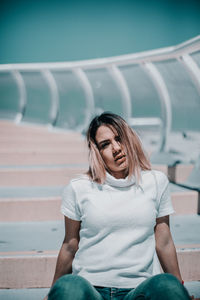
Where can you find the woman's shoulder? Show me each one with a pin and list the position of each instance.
(160, 176)
(80, 179)
(156, 179)
(80, 182)
(77, 185)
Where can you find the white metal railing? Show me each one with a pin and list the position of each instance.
(146, 60)
(162, 54)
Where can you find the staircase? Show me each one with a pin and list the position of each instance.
(35, 164)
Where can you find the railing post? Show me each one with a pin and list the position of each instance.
(165, 103)
(124, 90)
(192, 68)
(54, 111)
(84, 81)
(22, 94)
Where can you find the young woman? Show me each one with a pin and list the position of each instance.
(117, 224)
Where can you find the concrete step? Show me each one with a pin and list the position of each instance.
(34, 246)
(63, 157)
(25, 161)
(27, 144)
(44, 174)
(193, 288)
(24, 145)
(16, 139)
(185, 201)
(16, 266)
(180, 172)
(9, 128)
(43, 203)
(30, 191)
(31, 146)
(30, 143)
(31, 209)
(41, 176)
(23, 294)
(71, 155)
(39, 236)
(30, 203)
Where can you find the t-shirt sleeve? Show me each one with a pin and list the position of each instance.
(164, 197)
(69, 206)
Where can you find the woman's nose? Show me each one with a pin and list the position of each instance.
(116, 146)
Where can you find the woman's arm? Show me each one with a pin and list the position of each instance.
(165, 248)
(68, 249)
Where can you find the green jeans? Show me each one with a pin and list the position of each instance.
(158, 287)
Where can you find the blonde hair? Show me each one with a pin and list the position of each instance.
(137, 160)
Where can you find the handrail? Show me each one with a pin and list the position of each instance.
(189, 46)
(144, 59)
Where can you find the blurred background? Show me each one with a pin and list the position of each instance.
(163, 95)
(62, 62)
(68, 30)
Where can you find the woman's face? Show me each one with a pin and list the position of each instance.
(112, 151)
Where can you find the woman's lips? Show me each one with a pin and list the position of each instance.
(120, 158)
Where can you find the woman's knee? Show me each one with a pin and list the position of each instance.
(166, 285)
(165, 277)
(70, 285)
(164, 281)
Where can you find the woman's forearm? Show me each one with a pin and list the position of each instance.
(168, 259)
(64, 262)
(165, 248)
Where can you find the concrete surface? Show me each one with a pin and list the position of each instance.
(29, 203)
(38, 236)
(29, 151)
(38, 294)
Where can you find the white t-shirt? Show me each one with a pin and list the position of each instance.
(117, 242)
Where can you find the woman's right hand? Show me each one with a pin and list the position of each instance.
(46, 298)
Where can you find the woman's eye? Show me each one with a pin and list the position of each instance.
(104, 145)
(117, 139)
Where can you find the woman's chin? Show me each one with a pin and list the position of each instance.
(120, 172)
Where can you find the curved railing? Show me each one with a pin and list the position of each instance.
(148, 89)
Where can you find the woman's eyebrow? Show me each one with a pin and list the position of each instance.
(104, 141)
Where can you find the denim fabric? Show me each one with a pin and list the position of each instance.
(159, 287)
(113, 293)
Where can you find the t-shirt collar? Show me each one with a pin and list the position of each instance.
(122, 182)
